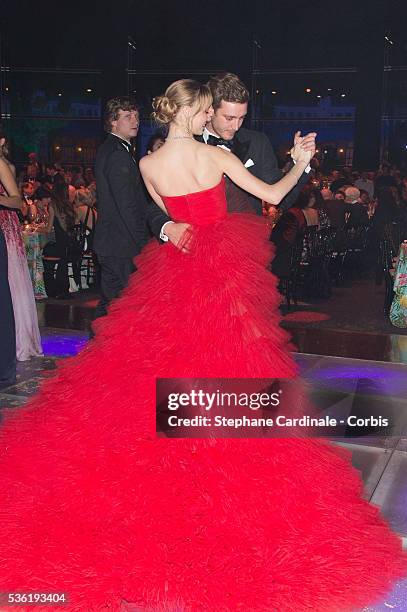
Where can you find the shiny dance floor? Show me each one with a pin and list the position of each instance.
(341, 386)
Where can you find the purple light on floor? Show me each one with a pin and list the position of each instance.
(385, 378)
(63, 345)
(396, 600)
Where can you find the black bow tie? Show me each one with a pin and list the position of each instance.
(219, 142)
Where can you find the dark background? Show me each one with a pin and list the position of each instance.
(188, 34)
(215, 35)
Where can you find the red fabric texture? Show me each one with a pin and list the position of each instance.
(93, 504)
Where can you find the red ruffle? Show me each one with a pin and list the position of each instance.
(93, 504)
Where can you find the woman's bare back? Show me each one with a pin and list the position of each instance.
(181, 166)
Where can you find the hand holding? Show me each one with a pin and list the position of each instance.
(300, 154)
(307, 142)
(176, 233)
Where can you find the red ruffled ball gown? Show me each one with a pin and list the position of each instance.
(93, 504)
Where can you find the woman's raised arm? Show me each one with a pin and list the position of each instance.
(230, 165)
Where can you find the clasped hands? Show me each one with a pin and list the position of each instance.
(304, 147)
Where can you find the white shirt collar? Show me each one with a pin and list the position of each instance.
(206, 133)
(122, 139)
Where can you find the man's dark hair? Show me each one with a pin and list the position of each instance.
(228, 87)
(42, 193)
(153, 139)
(113, 107)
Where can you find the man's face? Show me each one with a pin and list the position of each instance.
(29, 190)
(227, 119)
(127, 124)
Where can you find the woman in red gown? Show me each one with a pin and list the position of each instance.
(93, 504)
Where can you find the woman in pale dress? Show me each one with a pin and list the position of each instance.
(28, 338)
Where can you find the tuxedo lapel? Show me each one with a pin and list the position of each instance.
(241, 148)
(120, 143)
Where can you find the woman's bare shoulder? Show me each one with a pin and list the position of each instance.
(145, 164)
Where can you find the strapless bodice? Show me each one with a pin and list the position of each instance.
(198, 208)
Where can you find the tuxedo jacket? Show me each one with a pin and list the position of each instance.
(254, 149)
(124, 208)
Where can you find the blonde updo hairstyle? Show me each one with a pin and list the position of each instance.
(179, 94)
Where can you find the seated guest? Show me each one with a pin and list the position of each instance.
(364, 198)
(38, 205)
(338, 180)
(313, 207)
(28, 191)
(89, 176)
(384, 179)
(84, 195)
(389, 211)
(365, 183)
(77, 173)
(62, 218)
(336, 209)
(85, 214)
(367, 203)
(326, 194)
(357, 213)
(34, 170)
(288, 230)
(71, 189)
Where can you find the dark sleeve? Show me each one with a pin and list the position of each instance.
(285, 232)
(292, 195)
(155, 217)
(125, 185)
(271, 173)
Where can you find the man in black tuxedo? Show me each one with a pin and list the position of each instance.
(124, 208)
(230, 101)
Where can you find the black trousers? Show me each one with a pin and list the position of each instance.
(7, 327)
(114, 277)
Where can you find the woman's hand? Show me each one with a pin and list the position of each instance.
(300, 154)
(304, 147)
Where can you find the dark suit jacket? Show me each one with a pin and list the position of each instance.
(254, 145)
(289, 228)
(358, 214)
(124, 207)
(336, 210)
